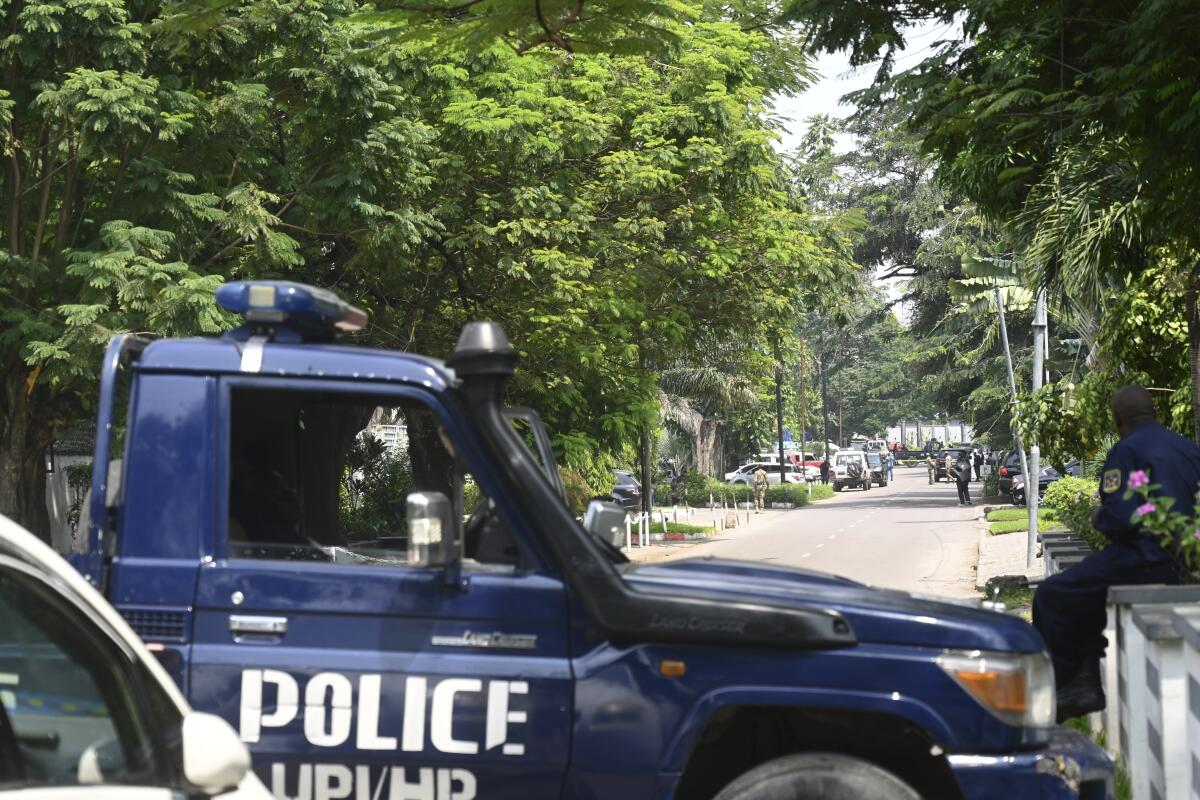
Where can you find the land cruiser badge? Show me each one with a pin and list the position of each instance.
(503, 641)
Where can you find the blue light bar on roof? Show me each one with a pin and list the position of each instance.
(284, 302)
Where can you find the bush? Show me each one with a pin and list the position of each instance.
(991, 484)
(1073, 500)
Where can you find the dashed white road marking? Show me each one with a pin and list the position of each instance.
(822, 544)
(806, 555)
(834, 536)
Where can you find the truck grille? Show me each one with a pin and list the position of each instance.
(157, 625)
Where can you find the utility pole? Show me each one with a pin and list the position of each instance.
(841, 399)
(1012, 387)
(779, 414)
(1033, 478)
(824, 361)
(803, 395)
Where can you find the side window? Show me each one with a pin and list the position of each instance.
(325, 476)
(67, 713)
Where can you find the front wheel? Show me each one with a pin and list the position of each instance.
(837, 487)
(817, 776)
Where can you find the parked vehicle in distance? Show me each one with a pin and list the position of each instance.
(1009, 463)
(745, 473)
(85, 709)
(627, 491)
(1074, 468)
(945, 461)
(878, 466)
(1017, 493)
(850, 469)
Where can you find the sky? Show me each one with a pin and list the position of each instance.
(835, 79)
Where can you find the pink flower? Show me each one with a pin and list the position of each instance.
(1196, 534)
(1144, 509)
(1138, 479)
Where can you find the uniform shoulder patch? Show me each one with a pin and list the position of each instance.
(1112, 480)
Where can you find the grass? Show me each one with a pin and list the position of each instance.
(1124, 790)
(1014, 596)
(1008, 514)
(1014, 520)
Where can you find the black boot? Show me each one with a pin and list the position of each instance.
(1083, 694)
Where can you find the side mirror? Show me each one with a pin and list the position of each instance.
(605, 520)
(214, 758)
(430, 529)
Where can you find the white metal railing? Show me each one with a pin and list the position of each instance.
(1150, 680)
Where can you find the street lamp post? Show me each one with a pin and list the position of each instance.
(1033, 479)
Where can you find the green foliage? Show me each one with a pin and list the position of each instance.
(1072, 132)
(606, 208)
(1019, 525)
(376, 483)
(699, 489)
(1074, 500)
(991, 484)
(690, 530)
(1178, 529)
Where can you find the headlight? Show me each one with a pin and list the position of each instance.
(1016, 687)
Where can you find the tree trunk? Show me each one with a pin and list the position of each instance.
(24, 440)
(1193, 318)
(708, 443)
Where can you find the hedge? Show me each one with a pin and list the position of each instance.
(1073, 500)
(698, 488)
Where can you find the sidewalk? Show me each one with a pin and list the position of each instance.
(661, 551)
(1003, 555)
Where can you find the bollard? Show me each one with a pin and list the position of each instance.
(644, 531)
(628, 532)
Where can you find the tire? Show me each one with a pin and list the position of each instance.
(867, 485)
(837, 487)
(817, 776)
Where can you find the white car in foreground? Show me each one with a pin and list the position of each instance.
(86, 712)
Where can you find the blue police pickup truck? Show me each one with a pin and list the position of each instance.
(363, 561)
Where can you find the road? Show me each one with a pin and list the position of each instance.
(908, 535)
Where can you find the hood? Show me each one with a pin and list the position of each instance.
(878, 616)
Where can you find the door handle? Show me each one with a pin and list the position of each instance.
(261, 626)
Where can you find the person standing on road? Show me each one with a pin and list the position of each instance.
(977, 458)
(931, 466)
(891, 466)
(962, 476)
(1069, 607)
(825, 470)
(760, 488)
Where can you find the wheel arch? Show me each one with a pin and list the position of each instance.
(731, 731)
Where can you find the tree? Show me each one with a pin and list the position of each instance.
(605, 208)
(1072, 123)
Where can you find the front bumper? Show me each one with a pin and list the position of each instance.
(1070, 766)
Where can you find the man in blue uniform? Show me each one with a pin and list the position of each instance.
(1069, 608)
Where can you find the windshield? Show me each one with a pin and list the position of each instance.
(873, 459)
